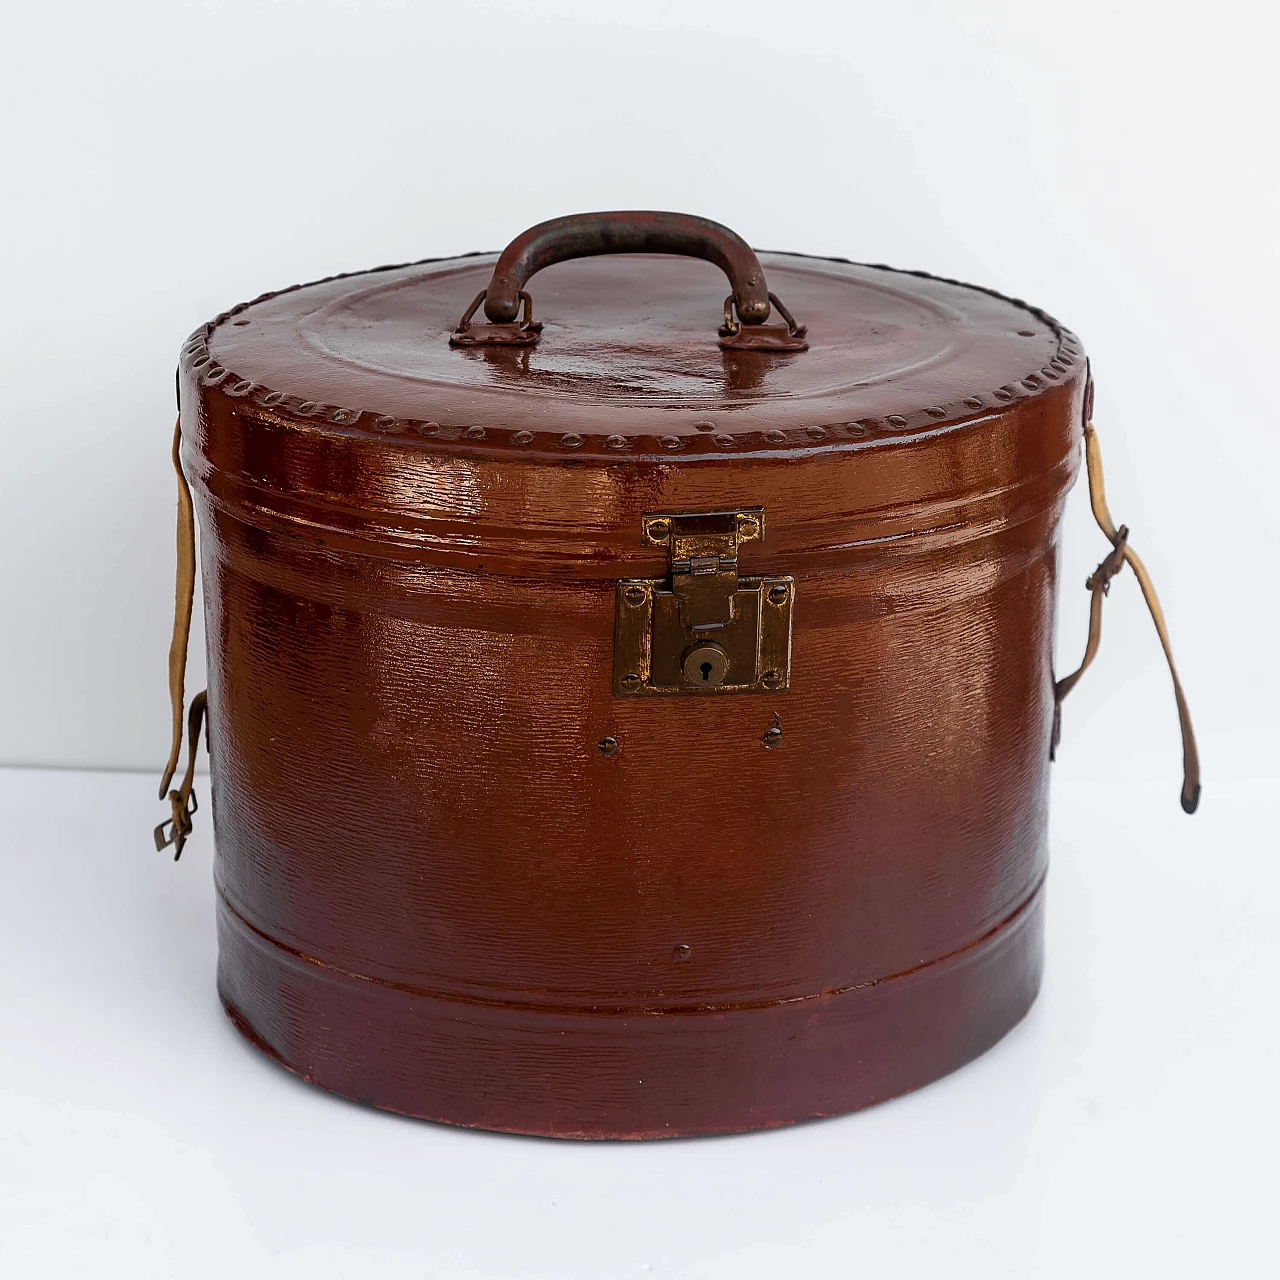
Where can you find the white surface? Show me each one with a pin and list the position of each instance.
(1112, 160)
(1128, 1128)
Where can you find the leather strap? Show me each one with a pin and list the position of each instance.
(1099, 584)
(182, 801)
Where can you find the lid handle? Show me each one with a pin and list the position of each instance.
(585, 235)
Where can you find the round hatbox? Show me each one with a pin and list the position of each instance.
(630, 712)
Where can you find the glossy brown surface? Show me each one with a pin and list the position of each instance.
(441, 892)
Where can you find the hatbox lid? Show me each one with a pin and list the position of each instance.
(634, 352)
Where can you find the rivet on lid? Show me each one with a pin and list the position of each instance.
(775, 436)
(936, 412)
(670, 442)
(387, 423)
(571, 440)
(522, 437)
(816, 433)
(475, 433)
(896, 421)
(725, 442)
(614, 442)
(972, 402)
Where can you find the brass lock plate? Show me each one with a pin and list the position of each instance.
(704, 630)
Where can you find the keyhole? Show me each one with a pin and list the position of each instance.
(704, 665)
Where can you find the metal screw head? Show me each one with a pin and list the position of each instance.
(607, 746)
(658, 530)
(772, 736)
(635, 595)
(772, 679)
(748, 527)
(681, 952)
(631, 681)
(778, 594)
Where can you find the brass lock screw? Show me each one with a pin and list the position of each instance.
(778, 594)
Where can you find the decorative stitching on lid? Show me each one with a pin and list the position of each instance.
(198, 359)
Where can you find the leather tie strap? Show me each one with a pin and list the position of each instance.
(182, 801)
(1099, 584)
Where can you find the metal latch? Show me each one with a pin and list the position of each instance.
(704, 629)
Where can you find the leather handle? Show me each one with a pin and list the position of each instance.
(585, 235)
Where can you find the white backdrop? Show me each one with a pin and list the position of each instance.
(1113, 161)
